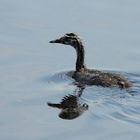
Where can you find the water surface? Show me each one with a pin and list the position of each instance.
(34, 72)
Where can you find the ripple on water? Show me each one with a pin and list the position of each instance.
(112, 103)
(58, 81)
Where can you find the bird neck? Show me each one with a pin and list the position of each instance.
(80, 57)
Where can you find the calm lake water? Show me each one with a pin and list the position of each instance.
(34, 72)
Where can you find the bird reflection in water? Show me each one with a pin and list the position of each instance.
(71, 105)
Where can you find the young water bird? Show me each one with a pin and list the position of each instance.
(87, 76)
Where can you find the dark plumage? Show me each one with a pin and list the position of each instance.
(87, 76)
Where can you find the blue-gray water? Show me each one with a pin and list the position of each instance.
(33, 72)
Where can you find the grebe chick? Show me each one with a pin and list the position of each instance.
(88, 76)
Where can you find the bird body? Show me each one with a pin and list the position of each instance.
(101, 78)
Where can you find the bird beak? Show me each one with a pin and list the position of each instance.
(55, 41)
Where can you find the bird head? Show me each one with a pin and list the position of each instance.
(68, 39)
